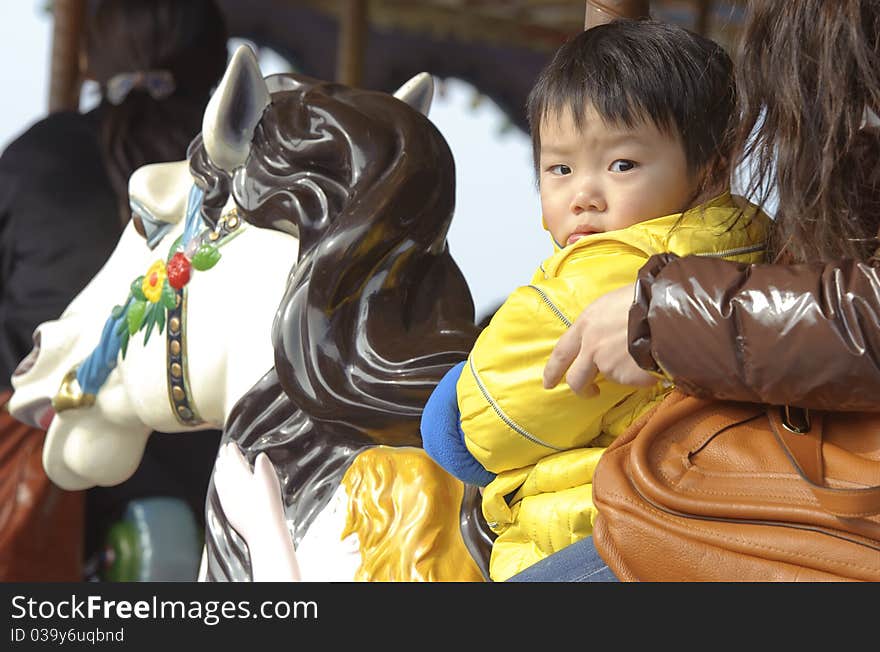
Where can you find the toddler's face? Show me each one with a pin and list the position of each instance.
(605, 177)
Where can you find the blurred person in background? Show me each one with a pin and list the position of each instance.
(63, 205)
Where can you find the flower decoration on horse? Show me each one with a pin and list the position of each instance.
(353, 312)
(155, 299)
(160, 291)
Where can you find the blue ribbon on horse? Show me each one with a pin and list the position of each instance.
(94, 370)
(194, 221)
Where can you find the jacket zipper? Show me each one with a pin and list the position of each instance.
(750, 249)
(513, 425)
(552, 305)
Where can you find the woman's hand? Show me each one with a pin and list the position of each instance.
(597, 342)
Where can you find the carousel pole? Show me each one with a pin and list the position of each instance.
(704, 12)
(64, 84)
(603, 11)
(351, 45)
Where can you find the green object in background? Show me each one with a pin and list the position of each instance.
(122, 553)
(157, 540)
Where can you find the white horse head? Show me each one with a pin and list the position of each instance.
(191, 358)
(222, 343)
(332, 312)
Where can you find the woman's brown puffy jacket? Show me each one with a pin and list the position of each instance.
(806, 335)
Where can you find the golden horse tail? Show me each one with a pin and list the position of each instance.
(405, 509)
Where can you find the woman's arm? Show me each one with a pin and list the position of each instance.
(805, 335)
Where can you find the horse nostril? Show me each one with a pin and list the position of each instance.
(25, 365)
(44, 420)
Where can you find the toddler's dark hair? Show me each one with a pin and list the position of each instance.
(632, 71)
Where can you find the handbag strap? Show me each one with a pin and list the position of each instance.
(802, 442)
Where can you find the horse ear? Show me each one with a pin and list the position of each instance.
(417, 92)
(235, 110)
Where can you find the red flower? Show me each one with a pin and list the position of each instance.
(178, 270)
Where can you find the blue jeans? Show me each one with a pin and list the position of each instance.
(578, 562)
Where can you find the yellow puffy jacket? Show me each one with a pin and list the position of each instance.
(544, 444)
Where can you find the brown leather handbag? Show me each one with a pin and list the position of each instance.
(701, 490)
(41, 526)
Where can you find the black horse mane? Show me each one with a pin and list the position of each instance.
(376, 310)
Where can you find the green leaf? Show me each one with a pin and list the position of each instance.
(119, 312)
(155, 312)
(150, 322)
(160, 317)
(177, 246)
(123, 341)
(136, 316)
(137, 290)
(169, 296)
(205, 258)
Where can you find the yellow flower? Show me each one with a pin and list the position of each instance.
(153, 281)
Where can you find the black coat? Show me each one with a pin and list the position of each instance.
(58, 225)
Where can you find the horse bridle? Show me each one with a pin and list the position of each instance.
(176, 371)
(70, 394)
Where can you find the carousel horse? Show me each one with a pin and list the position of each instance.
(374, 313)
(306, 237)
(374, 528)
(98, 414)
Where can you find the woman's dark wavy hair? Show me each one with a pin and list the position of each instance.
(185, 37)
(807, 69)
(376, 310)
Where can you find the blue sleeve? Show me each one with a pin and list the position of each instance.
(442, 437)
